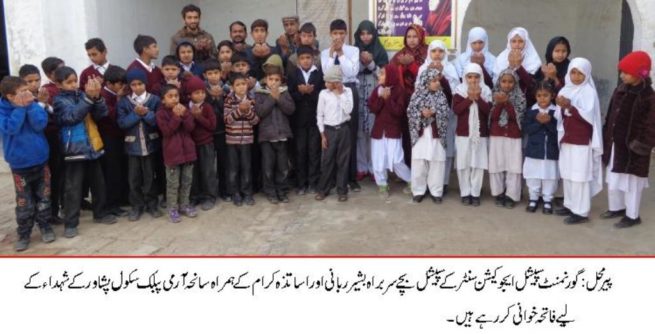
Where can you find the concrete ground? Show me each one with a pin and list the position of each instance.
(364, 225)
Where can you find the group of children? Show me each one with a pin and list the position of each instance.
(186, 134)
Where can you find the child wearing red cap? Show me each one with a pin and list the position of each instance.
(629, 137)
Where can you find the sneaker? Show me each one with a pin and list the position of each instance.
(509, 203)
(189, 211)
(354, 186)
(207, 205)
(135, 214)
(532, 206)
(155, 212)
(237, 200)
(283, 198)
(249, 200)
(273, 199)
(70, 232)
(417, 199)
(575, 219)
(548, 208)
(466, 200)
(343, 198)
(47, 235)
(612, 214)
(107, 219)
(500, 201)
(174, 216)
(22, 244)
(475, 201)
(628, 222)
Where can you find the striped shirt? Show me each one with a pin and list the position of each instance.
(239, 126)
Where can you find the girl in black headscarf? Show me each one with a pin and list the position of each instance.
(557, 62)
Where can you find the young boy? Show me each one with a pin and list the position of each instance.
(147, 50)
(307, 38)
(204, 188)
(170, 71)
(114, 161)
(241, 65)
(347, 56)
(97, 52)
(136, 116)
(56, 160)
(25, 147)
(629, 137)
(333, 113)
(274, 105)
(216, 90)
(259, 52)
(240, 118)
(77, 114)
(305, 84)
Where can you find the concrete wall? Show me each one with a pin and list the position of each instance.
(594, 34)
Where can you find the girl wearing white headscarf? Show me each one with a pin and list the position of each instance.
(449, 81)
(581, 143)
(472, 132)
(531, 62)
(477, 34)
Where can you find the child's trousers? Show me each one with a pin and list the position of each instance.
(506, 182)
(470, 181)
(73, 187)
(239, 170)
(544, 188)
(336, 159)
(178, 185)
(204, 186)
(141, 176)
(32, 199)
(275, 167)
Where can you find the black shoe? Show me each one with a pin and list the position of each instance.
(343, 198)
(548, 208)
(249, 200)
(500, 201)
(273, 199)
(70, 232)
(418, 199)
(207, 205)
(475, 201)
(532, 206)
(23, 243)
(47, 234)
(575, 219)
(466, 200)
(563, 212)
(436, 200)
(107, 220)
(445, 190)
(509, 203)
(354, 186)
(283, 198)
(135, 214)
(118, 212)
(237, 200)
(320, 196)
(628, 222)
(612, 214)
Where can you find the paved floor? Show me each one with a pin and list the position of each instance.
(364, 225)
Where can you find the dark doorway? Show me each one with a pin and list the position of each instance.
(627, 30)
(4, 57)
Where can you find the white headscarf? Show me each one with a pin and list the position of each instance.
(485, 93)
(531, 59)
(449, 70)
(584, 98)
(476, 34)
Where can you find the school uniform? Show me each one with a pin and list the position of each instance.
(239, 136)
(540, 168)
(114, 161)
(581, 142)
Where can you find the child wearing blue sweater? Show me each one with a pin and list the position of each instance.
(22, 122)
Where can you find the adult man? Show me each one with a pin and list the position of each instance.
(191, 32)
